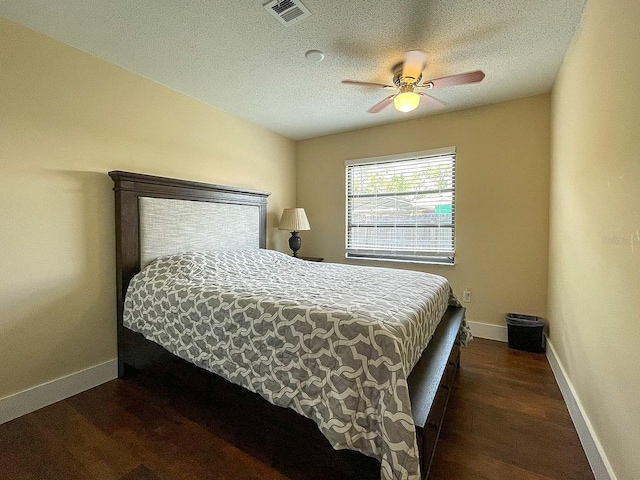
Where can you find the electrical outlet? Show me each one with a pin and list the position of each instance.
(466, 295)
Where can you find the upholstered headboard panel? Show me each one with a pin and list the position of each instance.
(169, 226)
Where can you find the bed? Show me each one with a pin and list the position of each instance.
(175, 226)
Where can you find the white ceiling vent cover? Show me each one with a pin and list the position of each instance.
(288, 12)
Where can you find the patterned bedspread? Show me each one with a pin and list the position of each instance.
(334, 342)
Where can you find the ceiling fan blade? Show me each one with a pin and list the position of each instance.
(452, 80)
(366, 84)
(432, 101)
(413, 64)
(382, 104)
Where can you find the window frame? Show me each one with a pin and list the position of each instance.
(433, 258)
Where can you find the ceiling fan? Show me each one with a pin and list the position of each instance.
(406, 77)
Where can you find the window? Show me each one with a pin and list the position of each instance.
(402, 207)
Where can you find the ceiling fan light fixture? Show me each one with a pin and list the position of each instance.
(406, 101)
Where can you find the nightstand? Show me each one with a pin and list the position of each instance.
(311, 259)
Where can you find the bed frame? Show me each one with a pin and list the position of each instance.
(429, 382)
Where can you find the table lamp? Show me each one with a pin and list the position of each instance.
(294, 220)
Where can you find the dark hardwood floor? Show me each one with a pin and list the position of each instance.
(506, 420)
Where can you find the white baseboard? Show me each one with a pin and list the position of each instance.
(592, 448)
(488, 331)
(40, 396)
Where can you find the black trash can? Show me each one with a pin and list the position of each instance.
(525, 332)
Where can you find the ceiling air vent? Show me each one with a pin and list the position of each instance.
(288, 12)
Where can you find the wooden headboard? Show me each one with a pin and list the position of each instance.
(129, 188)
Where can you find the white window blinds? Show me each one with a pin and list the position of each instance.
(402, 207)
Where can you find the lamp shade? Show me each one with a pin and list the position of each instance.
(406, 101)
(294, 220)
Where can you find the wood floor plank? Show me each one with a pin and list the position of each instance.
(29, 451)
(506, 419)
(475, 465)
(90, 447)
(141, 472)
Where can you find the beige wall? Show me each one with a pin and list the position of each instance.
(594, 256)
(502, 175)
(66, 119)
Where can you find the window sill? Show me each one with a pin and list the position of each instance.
(444, 263)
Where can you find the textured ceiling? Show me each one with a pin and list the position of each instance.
(236, 56)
